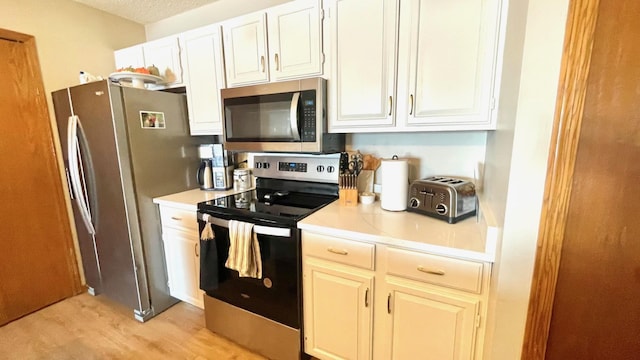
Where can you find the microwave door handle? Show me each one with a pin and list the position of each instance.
(293, 116)
(258, 229)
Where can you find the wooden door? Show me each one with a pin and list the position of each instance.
(596, 311)
(37, 259)
(591, 243)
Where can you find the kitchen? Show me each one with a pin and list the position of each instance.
(514, 176)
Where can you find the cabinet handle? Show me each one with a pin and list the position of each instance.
(432, 272)
(262, 63)
(336, 251)
(366, 298)
(176, 218)
(195, 249)
(411, 104)
(390, 104)
(277, 62)
(389, 303)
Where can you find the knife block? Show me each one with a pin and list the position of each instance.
(348, 197)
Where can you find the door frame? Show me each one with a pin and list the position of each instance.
(565, 137)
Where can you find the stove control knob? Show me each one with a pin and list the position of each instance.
(266, 165)
(320, 168)
(441, 209)
(414, 203)
(259, 165)
(330, 169)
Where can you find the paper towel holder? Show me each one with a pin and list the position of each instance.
(395, 184)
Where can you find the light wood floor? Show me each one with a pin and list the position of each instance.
(87, 327)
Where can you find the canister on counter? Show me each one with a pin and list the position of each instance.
(241, 179)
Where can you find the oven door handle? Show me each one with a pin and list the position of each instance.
(258, 229)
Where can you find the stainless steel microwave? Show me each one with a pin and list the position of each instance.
(287, 116)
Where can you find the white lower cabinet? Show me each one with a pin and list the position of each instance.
(338, 326)
(182, 254)
(410, 302)
(424, 323)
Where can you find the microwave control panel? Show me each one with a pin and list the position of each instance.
(308, 100)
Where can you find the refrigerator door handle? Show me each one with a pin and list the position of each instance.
(74, 171)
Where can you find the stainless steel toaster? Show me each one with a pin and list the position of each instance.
(443, 198)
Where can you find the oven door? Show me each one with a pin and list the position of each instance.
(277, 295)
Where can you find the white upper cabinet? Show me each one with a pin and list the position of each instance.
(162, 53)
(289, 47)
(439, 57)
(245, 50)
(294, 40)
(362, 88)
(165, 55)
(204, 77)
(131, 56)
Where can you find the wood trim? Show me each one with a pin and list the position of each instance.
(574, 72)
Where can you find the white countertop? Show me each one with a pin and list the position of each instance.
(188, 200)
(473, 238)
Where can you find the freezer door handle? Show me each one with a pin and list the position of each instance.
(73, 149)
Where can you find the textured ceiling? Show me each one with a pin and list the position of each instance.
(145, 11)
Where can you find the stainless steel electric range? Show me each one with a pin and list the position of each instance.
(265, 315)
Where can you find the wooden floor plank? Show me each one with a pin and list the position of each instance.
(87, 327)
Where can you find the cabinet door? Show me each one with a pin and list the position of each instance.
(363, 52)
(446, 57)
(165, 55)
(203, 79)
(245, 50)
(129, 57)
(183, 265)
(424, 323)
(294, 40)
(338, 304)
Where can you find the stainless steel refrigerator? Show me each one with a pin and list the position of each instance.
(122, 147)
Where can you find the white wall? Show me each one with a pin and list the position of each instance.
(516, 162)
(205, 15)
(70, 37)
(436, 153)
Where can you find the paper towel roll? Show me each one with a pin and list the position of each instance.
(395, 184)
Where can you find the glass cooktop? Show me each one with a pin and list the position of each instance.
(272, 206)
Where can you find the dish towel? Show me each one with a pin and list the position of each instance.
(208, 259)
(244, 250)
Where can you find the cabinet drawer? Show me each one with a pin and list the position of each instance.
(178, 218)
(344, 251)
(438, 270)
